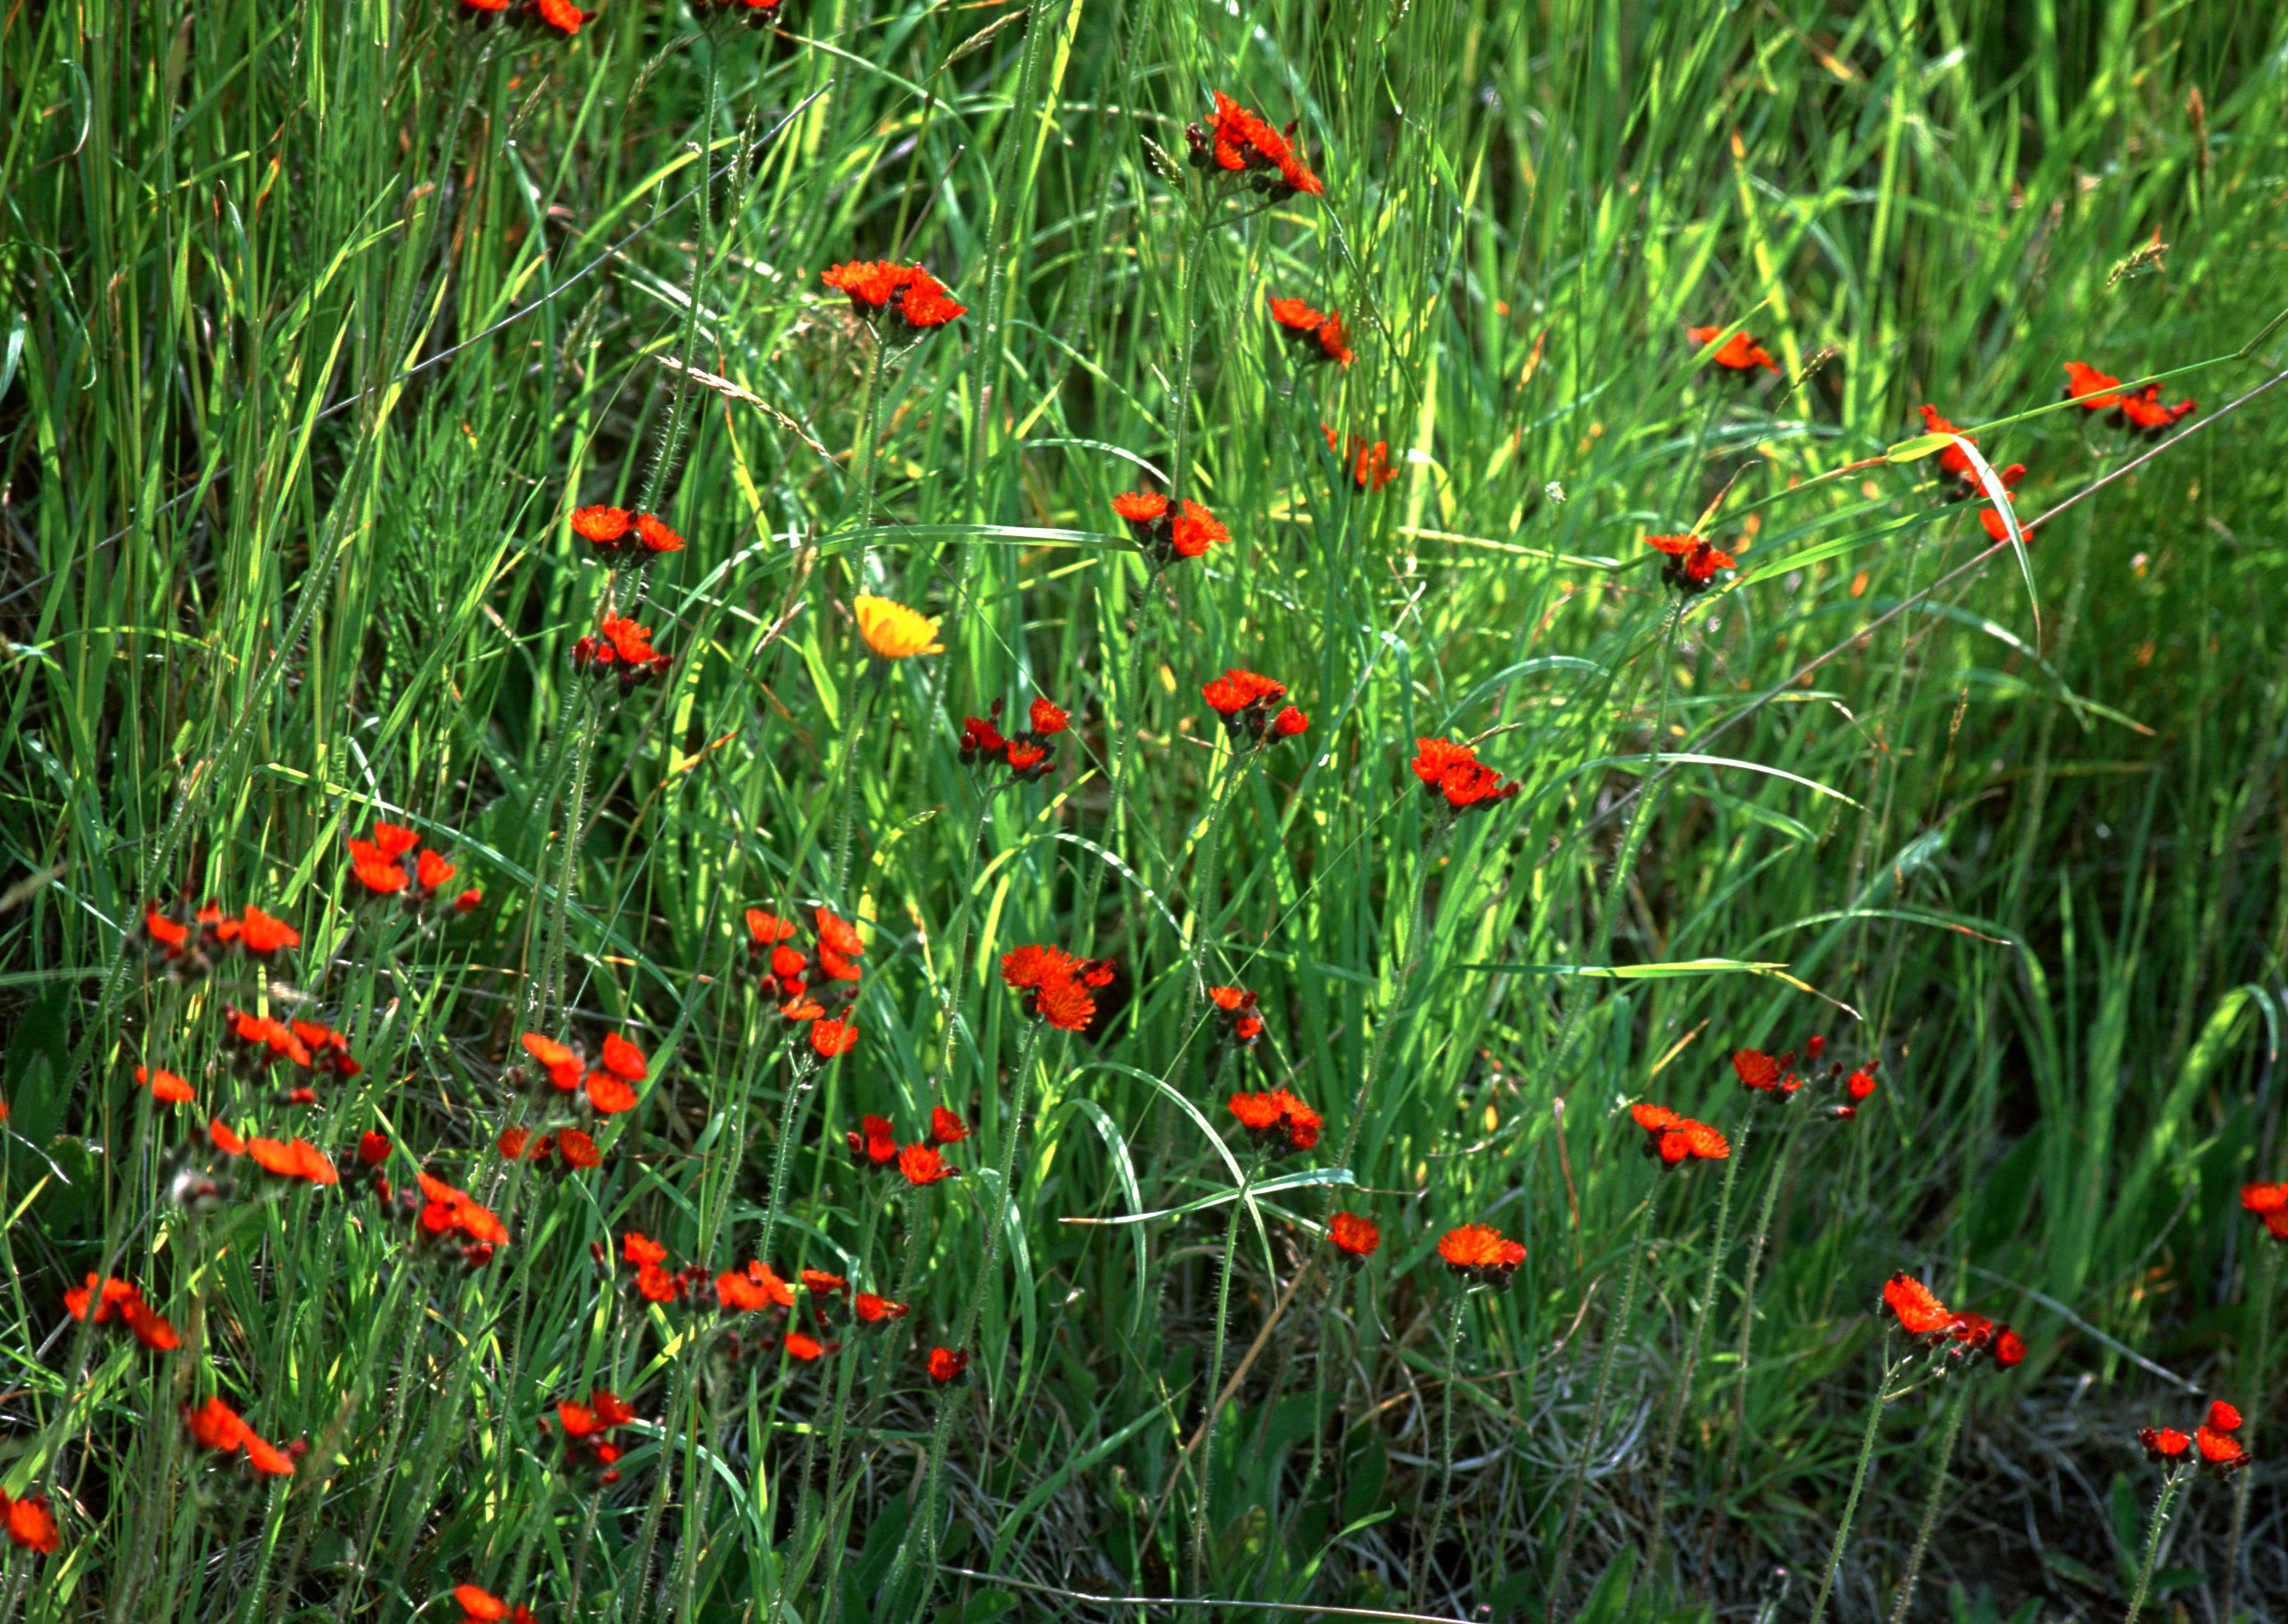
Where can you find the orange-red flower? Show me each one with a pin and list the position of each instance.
(1169, 531)
(215, 1425)
(31, 1524)
(1240, 142)
(1320, 335)
(478, 1607)
(872, 1310)
(874, 1142)
(560, 16)
(1250, 706)
(1693, 562)
(1455, 777)
(1478, 1253)
(1029, 754)
(2269, 1202)
(563, 1065)
(1355, 1237)
(832, 1037)
(1765, 1073)
(623, 648)
(1676, 1139)
(1235, 1012)
(2144, 413)
(2164, 1445)
(907, 295)
(166, 1086)
(2219, 1451)
(1277, 1120)
(611, 1086)
(1056, 985)
(293, 1159)
(605, 526)
(946, 1128)
(446, 1209)
(948, 1365)
(2090, 389)
(1919, 1309)
(119, 1302)
(1369, 465)
(262, 935)
(1738, 354)
(588, 1429)
(921, 1165)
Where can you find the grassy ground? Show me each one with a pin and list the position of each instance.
(321, 320)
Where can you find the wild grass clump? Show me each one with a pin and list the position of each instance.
(822, 812)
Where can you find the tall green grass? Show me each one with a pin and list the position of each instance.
(320, 320)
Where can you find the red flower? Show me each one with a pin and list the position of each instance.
(2164, 1445)
(118, 1303)
(922, 1165)
(1920, 1312)
(2219, 1453)
(1677, 1139)
(802, 1345)
(170, 935)
(1478, 1253)
(621, 646)
(1368, 464)
(820, 1283)
(1047, 718)
(766, 930)
(1277, 1119)
(31, 1525)
(1738, 354)
(447, 1208)
(1236, 1010)
(1765, 1073)
(872, 1310)
(225, 1140)
(561, 15)
(874, 1142)
(2144, 412)
(1245, 702)
(607, 526)
(2008, 1348)
(1169, 532)
(1860, 1084)
(166, 1086)
(1990, 516)
(1055, 984)
(831, 1038)
(1695, 562)
(1027, 760)
(373, 1148)
(946, 1128)
(905, 294)
(215, 1425)
(261, 935)
(638, 1247)
(2091, 389)
(1319, 333)
(1354, 1236)
(564, 1065)
(294, 1159)
(2269, 1202)
(948, 1365)
(2222, 1417)
(655, 537)
(837, 936)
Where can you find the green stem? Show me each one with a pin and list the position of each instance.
(2162, 1506)
(1740, 1365)
(1858, 1483)
(1615, 1328)
(1930, 1506)
(1682, 1399)
(1199, 1574)
(1419, 1572)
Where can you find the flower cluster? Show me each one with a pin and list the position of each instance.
(588, 1429)
(613, 531)
(214, 1425)
(1277, 1121)
(263, 1040)
(874, 1144)
(1369, 465)
(610, 1086)
(1740, 354)
(120, 1305)
(1674, 1140)
(1479, 1255)
(654, 1281)
(1963, 1336)
(1235, 1013)
(948, 1365)
(621, 647)
(482, 1607)
(1058, 987)
(2141, 410)
(1318, 335)
(561, 17)
(564, 1152)
(1244, 702)
(443, 1216)
(803, 986)
(191, 948)
(1456, 779)
(1028, 754)
(905, 294)
(1964, 483)
(2218, 1449)
(2269, 1202)
(378, 866)
(1241, 142)
(1165, 531)
(1774, 1076)
(1692, 562)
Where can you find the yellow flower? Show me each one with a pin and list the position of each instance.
(895, 631)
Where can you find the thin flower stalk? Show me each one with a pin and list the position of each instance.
(2259, 1370)
(1883, 1397)
(1425, 1554)
(1930, 1506)
(1200, 1573)
(2163, 1504)
(1615, 1328)
(1682, 1398)
(1747, 1338)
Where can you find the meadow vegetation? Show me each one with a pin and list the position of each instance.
(584, 1247)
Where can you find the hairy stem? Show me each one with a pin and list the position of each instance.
(1930, 1506)
(1615, 1328)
